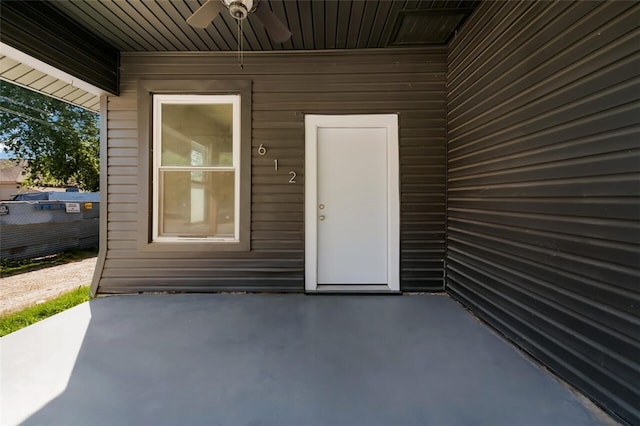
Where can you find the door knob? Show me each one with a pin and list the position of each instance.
(321, 206)
(321, 217)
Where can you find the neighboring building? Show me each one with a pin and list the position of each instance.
(498, 162)
(11, 177)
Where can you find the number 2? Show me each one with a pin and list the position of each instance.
(293, 177)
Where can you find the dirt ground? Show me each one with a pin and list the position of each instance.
(30, 288)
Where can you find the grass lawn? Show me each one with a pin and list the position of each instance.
(17, 320)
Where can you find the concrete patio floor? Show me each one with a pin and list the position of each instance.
(281, 360)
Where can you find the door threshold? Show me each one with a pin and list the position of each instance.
(356, 289)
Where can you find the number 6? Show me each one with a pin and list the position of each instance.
(262, 150)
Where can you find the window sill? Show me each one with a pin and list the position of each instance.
(193, 245)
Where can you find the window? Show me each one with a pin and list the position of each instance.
(196, 168)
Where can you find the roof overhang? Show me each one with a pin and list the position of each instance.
(24, 70)
(40, 31)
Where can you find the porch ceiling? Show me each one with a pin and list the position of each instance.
(315, 24)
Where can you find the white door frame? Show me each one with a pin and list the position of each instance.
(389, 122)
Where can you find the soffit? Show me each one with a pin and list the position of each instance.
(17, 72)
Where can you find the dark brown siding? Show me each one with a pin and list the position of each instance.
(544, 186)
(285, 87)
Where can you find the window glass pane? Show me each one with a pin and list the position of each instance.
(197, 204)
(197, 135)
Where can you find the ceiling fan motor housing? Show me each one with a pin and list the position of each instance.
(239, 9)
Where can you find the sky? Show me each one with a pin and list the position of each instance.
(2, 153)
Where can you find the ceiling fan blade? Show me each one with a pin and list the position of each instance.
(205, 14)
(274, 26)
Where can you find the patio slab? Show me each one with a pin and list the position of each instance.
(275, 360)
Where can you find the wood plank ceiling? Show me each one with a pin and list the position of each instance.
(156, 26)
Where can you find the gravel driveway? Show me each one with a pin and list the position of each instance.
(30, 288)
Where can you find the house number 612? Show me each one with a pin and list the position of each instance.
(262, 151)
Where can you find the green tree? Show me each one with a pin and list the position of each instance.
(60, 141)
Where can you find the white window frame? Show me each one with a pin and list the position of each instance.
(158, 101)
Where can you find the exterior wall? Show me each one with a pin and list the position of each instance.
(285, 87)
(543, 186)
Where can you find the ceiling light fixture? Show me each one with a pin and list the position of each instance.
(240, 9)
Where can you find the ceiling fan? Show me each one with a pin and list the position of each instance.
(239, 10)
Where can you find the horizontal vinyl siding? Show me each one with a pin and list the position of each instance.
(285, 88)
(544, 186)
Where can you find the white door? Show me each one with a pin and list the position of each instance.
(352, 203)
